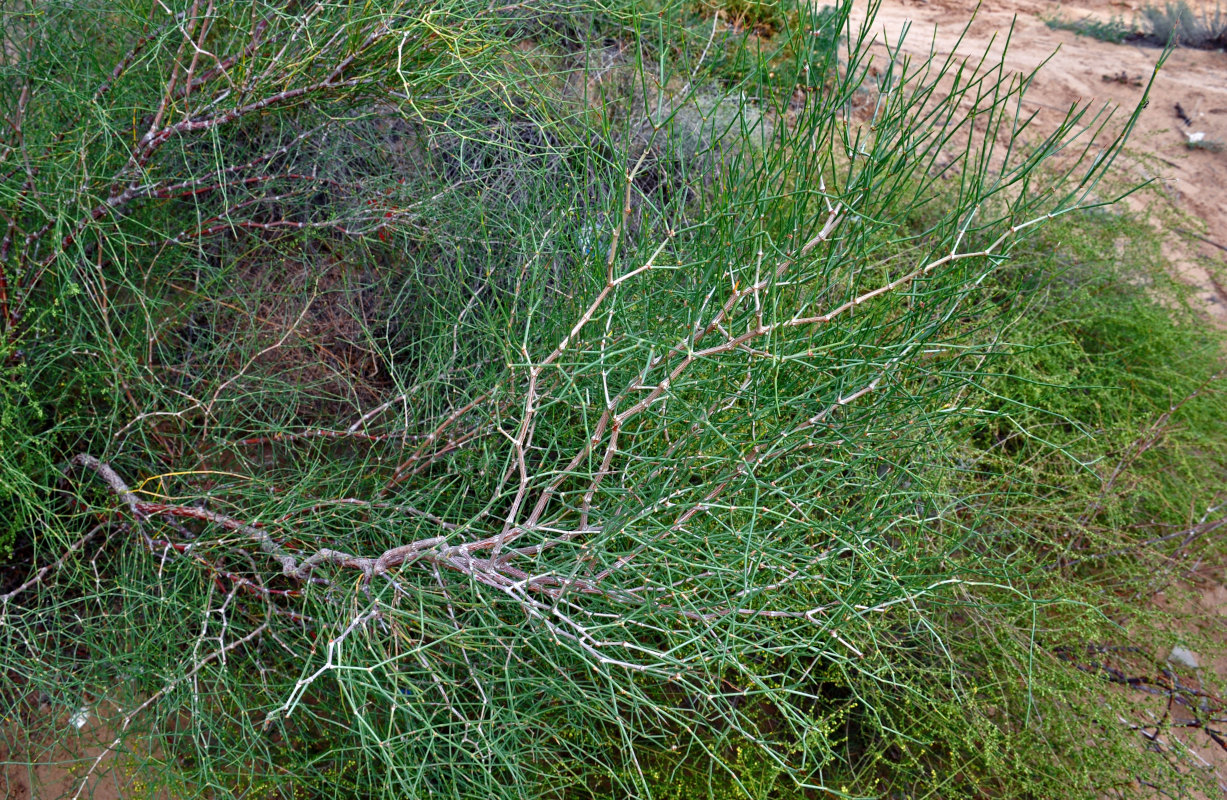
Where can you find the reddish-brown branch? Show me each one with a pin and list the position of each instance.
(353, 501)
(403, 470)
(198, 187)
(320, 433)
(6, 319)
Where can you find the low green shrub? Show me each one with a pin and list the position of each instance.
(441, 407)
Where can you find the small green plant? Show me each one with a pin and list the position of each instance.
(763, 17)
(1114, 30)
(769, 59)
(1199, 141)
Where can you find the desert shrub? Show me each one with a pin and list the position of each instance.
(443, 408)
(1178, 23)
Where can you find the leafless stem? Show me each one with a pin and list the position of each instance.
(54, 565)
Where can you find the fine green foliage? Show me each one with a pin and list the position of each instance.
(1115, 30)
(1096, 468)
(575, 400)
(16, 491)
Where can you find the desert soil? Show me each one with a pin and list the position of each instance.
(81, 764)
(1080, 69)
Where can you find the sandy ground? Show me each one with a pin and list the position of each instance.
(80, 765)
(1082, 69)
(1200, 607)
